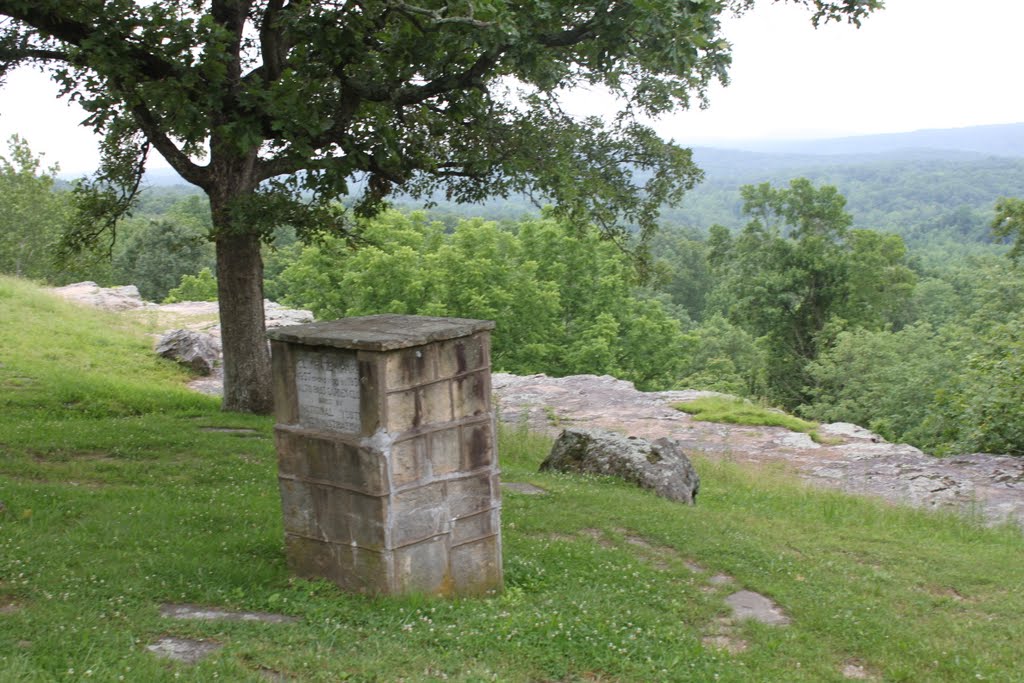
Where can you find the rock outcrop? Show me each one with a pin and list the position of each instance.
(277, 315)
(660, 466)
(108, 298)
(127, 298)
(859, 461)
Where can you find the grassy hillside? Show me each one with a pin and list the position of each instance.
(117, 498)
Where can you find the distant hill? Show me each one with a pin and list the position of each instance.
(920, 195)
(923, 185)
(999, 140)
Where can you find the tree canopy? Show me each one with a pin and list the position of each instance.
(797, 274)
(30, 216)
(272, 107)
(1009, 223)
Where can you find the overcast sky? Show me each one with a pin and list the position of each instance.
(916, 64)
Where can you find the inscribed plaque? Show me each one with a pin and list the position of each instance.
(327, 384)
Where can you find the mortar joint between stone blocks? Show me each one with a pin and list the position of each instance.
(474, 540)
(347, 545)
(457, 376)
(331, 485)
(444, 535)
(467, 421)
(453, 476)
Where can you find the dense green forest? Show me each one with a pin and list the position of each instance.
(869, 291)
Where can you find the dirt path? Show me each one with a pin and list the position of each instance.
(862, 463)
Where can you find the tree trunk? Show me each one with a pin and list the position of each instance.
(247, 374)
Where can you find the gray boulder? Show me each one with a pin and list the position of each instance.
(195, 350)
(658, 465)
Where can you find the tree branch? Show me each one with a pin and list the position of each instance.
(179, 161)
(11, 56)
(470, 78)
(272, 46)
(73, 32)
(437, 17)
(578, 34)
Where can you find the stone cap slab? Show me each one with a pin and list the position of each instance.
(385, 332)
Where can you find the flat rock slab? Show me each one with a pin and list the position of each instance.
(526, 489)
(183, 649)
(213, 614)
(751, 605)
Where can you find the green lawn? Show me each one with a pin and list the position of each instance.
(116, 499)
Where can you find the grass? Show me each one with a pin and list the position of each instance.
(743, 412)
(115, 500)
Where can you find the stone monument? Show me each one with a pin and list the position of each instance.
(387, 454)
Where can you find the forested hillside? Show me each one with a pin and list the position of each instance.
(786, 297)
(924, 196)
(927, 197)
(932, 187)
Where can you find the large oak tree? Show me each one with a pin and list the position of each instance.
(273, 107)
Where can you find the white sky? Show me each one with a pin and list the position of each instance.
(916, 64)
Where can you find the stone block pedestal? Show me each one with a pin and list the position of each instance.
(387, 454)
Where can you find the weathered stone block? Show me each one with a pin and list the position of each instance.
(476, 526)
(443, 452)
(313, 457)
(418, 514)
(356, 518)
(464, 355)
(477, 446)
(310, 558)
(423, 568)
(300, 508)
(403, 411)
(407, 461)
(469, 495)
(411, 367)
(476, 566)
(291, 453)
(472, 395)
(362, 570)
(286, 407)
(333, 514)
(435, 403)
(371, 392)
(354, 569)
